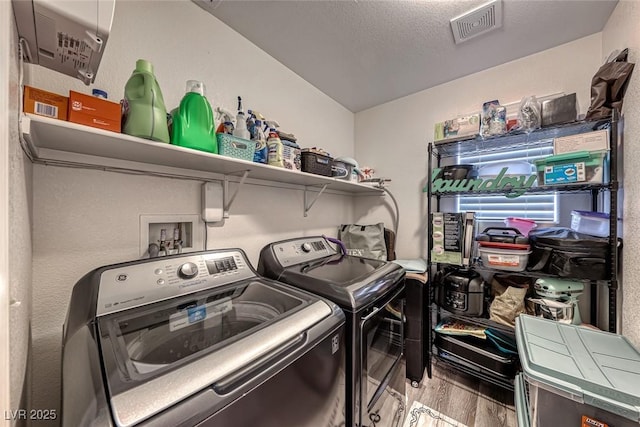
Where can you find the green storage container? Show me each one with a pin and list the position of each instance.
(576, 376)
(573, 168)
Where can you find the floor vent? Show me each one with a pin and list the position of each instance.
(477, 21)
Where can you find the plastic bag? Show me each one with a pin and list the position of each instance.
(365, 241)
(494, 119)
(529, 114)
(608, 87)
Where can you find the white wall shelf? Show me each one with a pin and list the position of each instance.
(43, 134)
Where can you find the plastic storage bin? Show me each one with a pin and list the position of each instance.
(593, 223)
(523, 225)
(504, 259)
(514, 168)
(316, 163)
(576, 376)
(232, 146)
(573, 168)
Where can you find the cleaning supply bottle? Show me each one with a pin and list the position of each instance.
(275, 157)
(193, 124)
(241, 130)
(261, 154)
(226, 120)
(145, 112)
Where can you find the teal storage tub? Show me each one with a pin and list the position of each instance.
(573, 168)
(238, 148)
(577, 376)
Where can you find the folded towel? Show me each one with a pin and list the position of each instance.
(417, 265)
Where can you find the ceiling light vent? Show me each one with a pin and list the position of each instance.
(477, 21)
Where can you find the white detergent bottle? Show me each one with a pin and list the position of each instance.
(241, 130)
(276, 148)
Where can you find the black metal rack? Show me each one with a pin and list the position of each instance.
(439, 150)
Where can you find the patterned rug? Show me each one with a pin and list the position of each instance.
(420, 415)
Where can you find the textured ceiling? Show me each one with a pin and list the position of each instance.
(364, 53)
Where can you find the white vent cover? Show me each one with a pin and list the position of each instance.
(477, 21)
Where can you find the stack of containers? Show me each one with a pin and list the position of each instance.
(575, 376)
(577, 159)
(503, 248)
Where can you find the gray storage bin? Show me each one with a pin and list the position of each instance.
(576, 376)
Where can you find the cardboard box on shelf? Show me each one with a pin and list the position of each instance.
(93, 111)
(44, 103)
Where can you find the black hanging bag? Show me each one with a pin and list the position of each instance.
(567, 253)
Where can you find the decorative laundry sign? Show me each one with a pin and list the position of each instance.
(513, 186)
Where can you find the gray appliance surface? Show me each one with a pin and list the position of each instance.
(371, 293)
(312, 264)
(199, 338)
(598, 368)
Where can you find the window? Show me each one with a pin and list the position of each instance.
(539, 207)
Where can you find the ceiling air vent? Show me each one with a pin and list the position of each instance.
(477, 21)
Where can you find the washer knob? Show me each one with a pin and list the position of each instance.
(306, 247)
(188, 270)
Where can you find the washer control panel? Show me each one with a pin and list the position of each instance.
(157, 279)
(301, 250)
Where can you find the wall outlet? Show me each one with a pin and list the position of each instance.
(182, 233)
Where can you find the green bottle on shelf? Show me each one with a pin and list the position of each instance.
(146, 114)
(193, 124)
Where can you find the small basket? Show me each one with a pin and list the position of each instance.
(232, 146)
(315, 163)
(341, 170)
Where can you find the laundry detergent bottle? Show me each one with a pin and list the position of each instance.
(275, 149)
(145, 112)
(193, 123)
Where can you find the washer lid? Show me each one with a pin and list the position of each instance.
(351, 282)
(159, 354)
(595, 367)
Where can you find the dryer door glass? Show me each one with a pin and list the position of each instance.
(152, 337)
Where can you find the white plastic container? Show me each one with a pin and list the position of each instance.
(593, 223)
(514, 168)
(504, 259)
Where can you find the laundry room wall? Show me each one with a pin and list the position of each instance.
(20, 248)
(623, 30)
(87, 218)
(392, 138)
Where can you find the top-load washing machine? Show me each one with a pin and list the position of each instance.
(200, 339)
(371, 293)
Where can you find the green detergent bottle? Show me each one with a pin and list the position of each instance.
(193, 124)
(146, 114)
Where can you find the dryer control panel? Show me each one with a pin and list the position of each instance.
(131, 285)
(297, 251)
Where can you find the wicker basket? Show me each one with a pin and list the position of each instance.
(316, 163)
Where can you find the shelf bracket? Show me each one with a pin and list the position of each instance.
(307, 206)
(228, 201)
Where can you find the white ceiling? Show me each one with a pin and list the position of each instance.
(363, 53)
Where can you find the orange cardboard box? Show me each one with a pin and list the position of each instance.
(43, 103)
(93, 111)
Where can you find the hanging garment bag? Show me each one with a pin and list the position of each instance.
(567, 253)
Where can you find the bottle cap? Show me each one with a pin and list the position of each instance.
(99, 93)
(196, 87)
(144, 65)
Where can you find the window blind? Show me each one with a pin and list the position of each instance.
(539, 207)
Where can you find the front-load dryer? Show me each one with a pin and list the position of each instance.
(200, 339)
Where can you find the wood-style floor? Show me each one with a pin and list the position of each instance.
(463, 398)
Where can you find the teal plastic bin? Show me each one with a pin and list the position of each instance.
(573, 168)
(576, 376)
